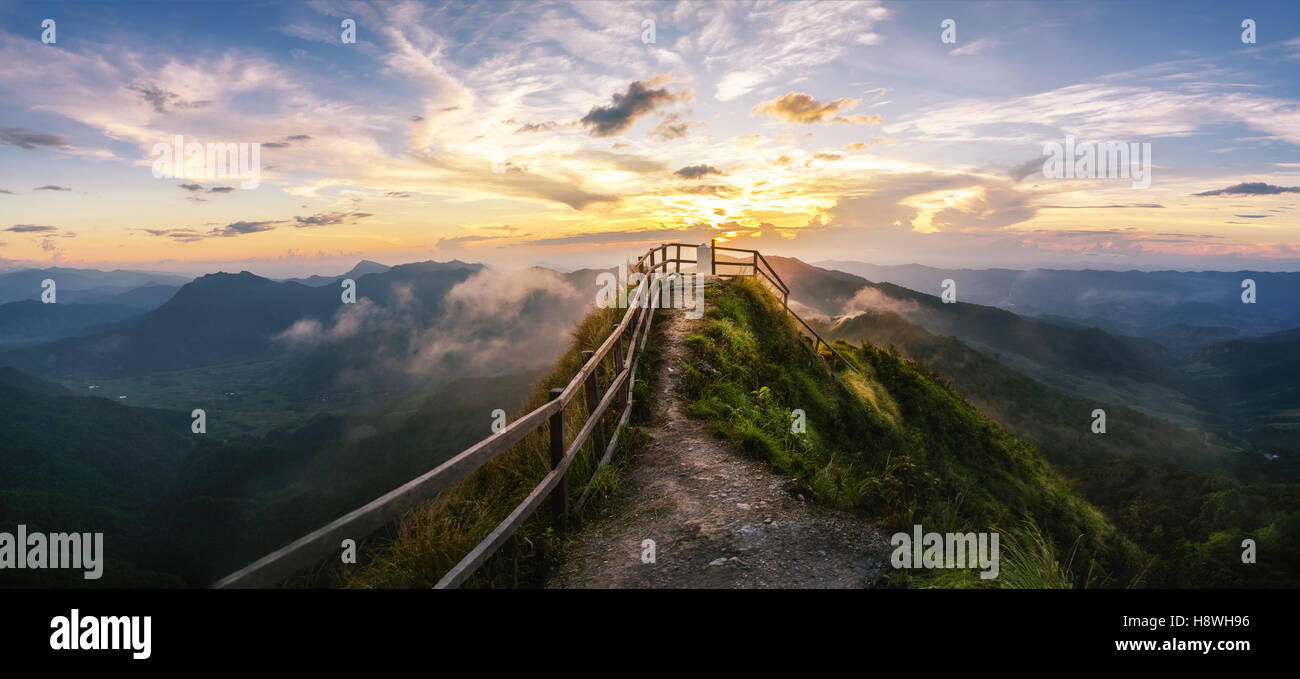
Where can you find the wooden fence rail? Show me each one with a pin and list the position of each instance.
(310, 549)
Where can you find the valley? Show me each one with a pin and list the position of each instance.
(313, 405)
(1236, 390)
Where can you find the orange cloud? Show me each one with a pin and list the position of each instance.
(803, 109)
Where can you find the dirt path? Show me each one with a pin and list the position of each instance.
(718, 519)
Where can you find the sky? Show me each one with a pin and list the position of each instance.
(574, 134)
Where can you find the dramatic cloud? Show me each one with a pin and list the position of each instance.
(640, 99)
(500, 134)
(1250, 189)
(179, 235)
(328, 218)
(697, 171)
(672, 128)
(803, 109)
(927, 202)
(29, 140)
(241, 228)
(31, 228)
(51, 187)
(159, 98)
(778, 42)
(537, 127)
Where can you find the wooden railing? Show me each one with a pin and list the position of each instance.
(631, 332)
(758, 267)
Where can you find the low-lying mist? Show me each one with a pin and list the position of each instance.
(492, 323)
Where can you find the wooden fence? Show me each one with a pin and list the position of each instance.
(756, 266)
(622, 349)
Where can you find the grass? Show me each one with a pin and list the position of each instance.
(433, 537)
(894, 442)
(1029, 561)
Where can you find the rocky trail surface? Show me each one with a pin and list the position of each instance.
(718, 519)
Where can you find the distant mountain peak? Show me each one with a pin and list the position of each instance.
(220, 275)
(364, 267)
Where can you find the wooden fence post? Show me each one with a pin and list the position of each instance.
(559, 496)
(593, 401)
(678, 257)
(755, 264)
(618, 352)
(621, 399)
(713, 256)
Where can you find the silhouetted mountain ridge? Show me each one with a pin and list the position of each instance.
(225, 316)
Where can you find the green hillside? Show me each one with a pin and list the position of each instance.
(180, 509)
(893, 441)
(1056, 422)
(1187, 504)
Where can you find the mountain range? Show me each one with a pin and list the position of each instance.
(1183, 308)
(1221, 387)
(314, 404)
(362, 268)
